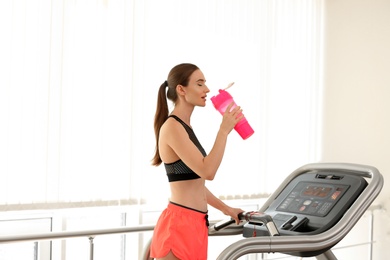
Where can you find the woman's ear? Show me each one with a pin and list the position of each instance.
(180, 90)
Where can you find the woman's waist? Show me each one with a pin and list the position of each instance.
(186, 208)
(195, 204)
(187, 212)
(191, 194)
(191, 202)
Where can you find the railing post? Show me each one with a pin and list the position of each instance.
(91, 248)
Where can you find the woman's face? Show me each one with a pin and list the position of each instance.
(196, 91)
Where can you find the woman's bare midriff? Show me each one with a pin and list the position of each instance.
(189, 193)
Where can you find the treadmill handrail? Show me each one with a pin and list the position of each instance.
(252, 216)
(307, 243)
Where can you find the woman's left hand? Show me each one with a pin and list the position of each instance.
(233, 212)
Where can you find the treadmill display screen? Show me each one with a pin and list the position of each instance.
(316, 191)
(312, 198)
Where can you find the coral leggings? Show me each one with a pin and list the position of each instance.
(181, 230)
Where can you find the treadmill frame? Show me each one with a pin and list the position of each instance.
(317, 242)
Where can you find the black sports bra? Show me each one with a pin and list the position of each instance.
(179, 171)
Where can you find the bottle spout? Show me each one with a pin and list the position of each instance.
(230, 84)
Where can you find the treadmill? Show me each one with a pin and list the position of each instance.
(309, 213)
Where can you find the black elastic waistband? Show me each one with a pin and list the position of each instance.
(188, 207)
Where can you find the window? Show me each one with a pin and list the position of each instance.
(11, 225)
(79, 85)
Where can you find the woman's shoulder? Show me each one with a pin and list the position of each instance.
(171, 127)
(171, 122)
(173, 134)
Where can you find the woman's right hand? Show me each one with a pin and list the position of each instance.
(231, 117)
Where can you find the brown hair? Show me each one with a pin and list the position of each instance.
(179, 75)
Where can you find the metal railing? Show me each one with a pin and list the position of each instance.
(90, 234)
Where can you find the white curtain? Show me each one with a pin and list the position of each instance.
(79, 81)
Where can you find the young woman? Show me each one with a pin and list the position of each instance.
(182, 229)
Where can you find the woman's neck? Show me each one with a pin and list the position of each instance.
(184, 113)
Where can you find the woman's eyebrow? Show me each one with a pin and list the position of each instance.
(201, 80)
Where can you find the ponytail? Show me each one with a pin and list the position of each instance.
(159, 119)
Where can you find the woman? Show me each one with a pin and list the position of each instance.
(182, 229)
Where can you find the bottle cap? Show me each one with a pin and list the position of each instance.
(221, 98)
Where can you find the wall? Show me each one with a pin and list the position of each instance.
(356, 125)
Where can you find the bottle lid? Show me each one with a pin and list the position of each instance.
(219, 99)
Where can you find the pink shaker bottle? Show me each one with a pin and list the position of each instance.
(220, 102)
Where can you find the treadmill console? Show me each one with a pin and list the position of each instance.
(311, 203)
(312, 198)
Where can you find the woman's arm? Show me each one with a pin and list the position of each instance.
(174, 136)
(220, 205)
